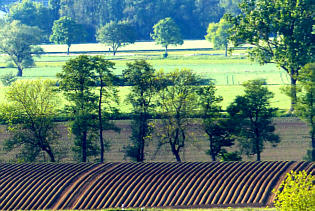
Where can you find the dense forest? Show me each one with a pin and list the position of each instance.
(192, 16)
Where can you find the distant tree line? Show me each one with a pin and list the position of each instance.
(192, 16)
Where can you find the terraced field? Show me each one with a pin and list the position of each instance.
(110, 185)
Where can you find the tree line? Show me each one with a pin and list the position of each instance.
(192, 16)
(174, 96)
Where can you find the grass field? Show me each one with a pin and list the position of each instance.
(227, 72)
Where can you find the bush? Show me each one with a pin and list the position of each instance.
(296, 192)
(8, 79)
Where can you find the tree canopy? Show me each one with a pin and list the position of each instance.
(251, 115)
(166, 33)
(30, 110)
(280, 31)
(305, 107)
(141, 76)
(33, 14)
(218, 34)
(66, 31)
(116, 34)
(19, 42)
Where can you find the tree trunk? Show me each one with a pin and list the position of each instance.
(226, 49)
(257, 149)
(68, 50)
(84, 146)
(20, 72)
(101, 122)
(175, 151)
(165, 53)
(50, 153)
(211, 150)
(293, 93)
(313, 145)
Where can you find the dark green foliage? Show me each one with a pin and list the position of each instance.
(230, 156)
(218, 130)
(107, 99)
(192, 16)
(141, 76)
(231, 6)
(251, 117)
(33, 14)
(8, 79)
(305, 107)
(76, 81)
(116, 34)
(90, 111)
(54, 6)
(280, 31)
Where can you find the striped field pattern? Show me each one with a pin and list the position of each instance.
(112, 185)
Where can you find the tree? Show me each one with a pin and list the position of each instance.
(140, 75)
(116, 34)
(305, 107)
(166, 33)
(252, 115)
(296, 192)
(19, 42)
(33, 14)
(107, 95)
(29, 114)
(77, 82)
(218, 34)
(280, 31)
(217, 129)
(66, 31)
(176, 102)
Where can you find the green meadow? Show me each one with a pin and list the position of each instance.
(228, 73)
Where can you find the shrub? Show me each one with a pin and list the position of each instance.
(296, 192)
(8, 79)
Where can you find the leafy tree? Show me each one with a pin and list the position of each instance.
(140, 75)
(218, 34)
(176, 102)
(32, 14)
(29, 114)
(280, 31)
(305, 107)
(107, 95)
(166, 33)
(116, 34)
(296, 192)
(66, 31)
(217, 128)
(19, 42)
(77, 82)
(253, 118)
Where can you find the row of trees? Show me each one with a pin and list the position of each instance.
(173, 96)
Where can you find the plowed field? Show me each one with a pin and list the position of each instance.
(109, 185)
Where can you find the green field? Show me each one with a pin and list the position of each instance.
(228, 73)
